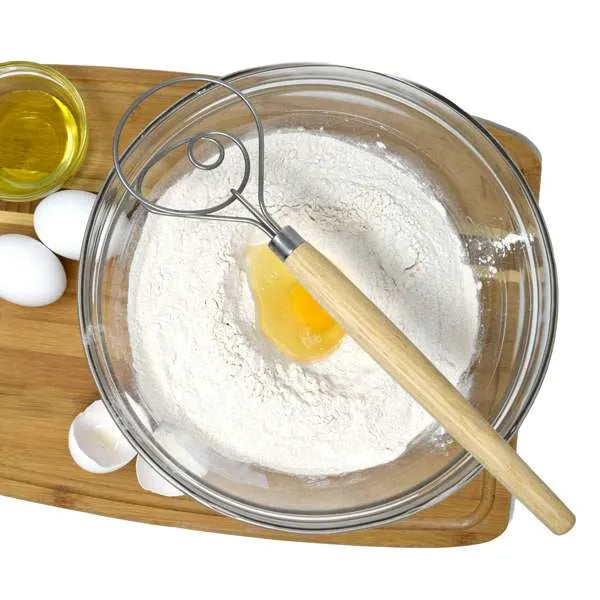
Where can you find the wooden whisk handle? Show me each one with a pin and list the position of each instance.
(378, 336)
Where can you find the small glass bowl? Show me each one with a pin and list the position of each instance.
(22, 75)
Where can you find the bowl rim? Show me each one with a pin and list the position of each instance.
(36, 70)
(457, 474)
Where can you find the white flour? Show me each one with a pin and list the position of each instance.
(201, 361)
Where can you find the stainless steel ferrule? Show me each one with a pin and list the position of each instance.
(285, 242)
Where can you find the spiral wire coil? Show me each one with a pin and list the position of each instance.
(260, 216)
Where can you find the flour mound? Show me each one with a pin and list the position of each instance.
(202, 364)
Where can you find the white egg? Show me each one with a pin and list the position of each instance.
(60, 220)
(30, 275)
(96, 443)
(152, 481)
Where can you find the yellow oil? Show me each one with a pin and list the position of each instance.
(286, 313)
(38, 139)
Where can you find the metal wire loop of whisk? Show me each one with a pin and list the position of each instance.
(260, 216)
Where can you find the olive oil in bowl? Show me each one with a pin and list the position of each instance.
(43, 134)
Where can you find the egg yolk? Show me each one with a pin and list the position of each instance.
(286, 313)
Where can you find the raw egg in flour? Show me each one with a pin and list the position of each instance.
(286, 313)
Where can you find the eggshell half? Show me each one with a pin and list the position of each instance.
(151, 481)
(183, 448)
(95, 442)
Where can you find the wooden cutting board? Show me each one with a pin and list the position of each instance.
(45, 382)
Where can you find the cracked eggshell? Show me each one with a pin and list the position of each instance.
(96, 443)
(185, 449)
(152, 481)
(182, 448)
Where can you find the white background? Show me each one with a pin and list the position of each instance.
(530, 66)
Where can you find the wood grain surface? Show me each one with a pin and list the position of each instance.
(45, 381)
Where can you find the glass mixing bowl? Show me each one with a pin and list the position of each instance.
(493, 210)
